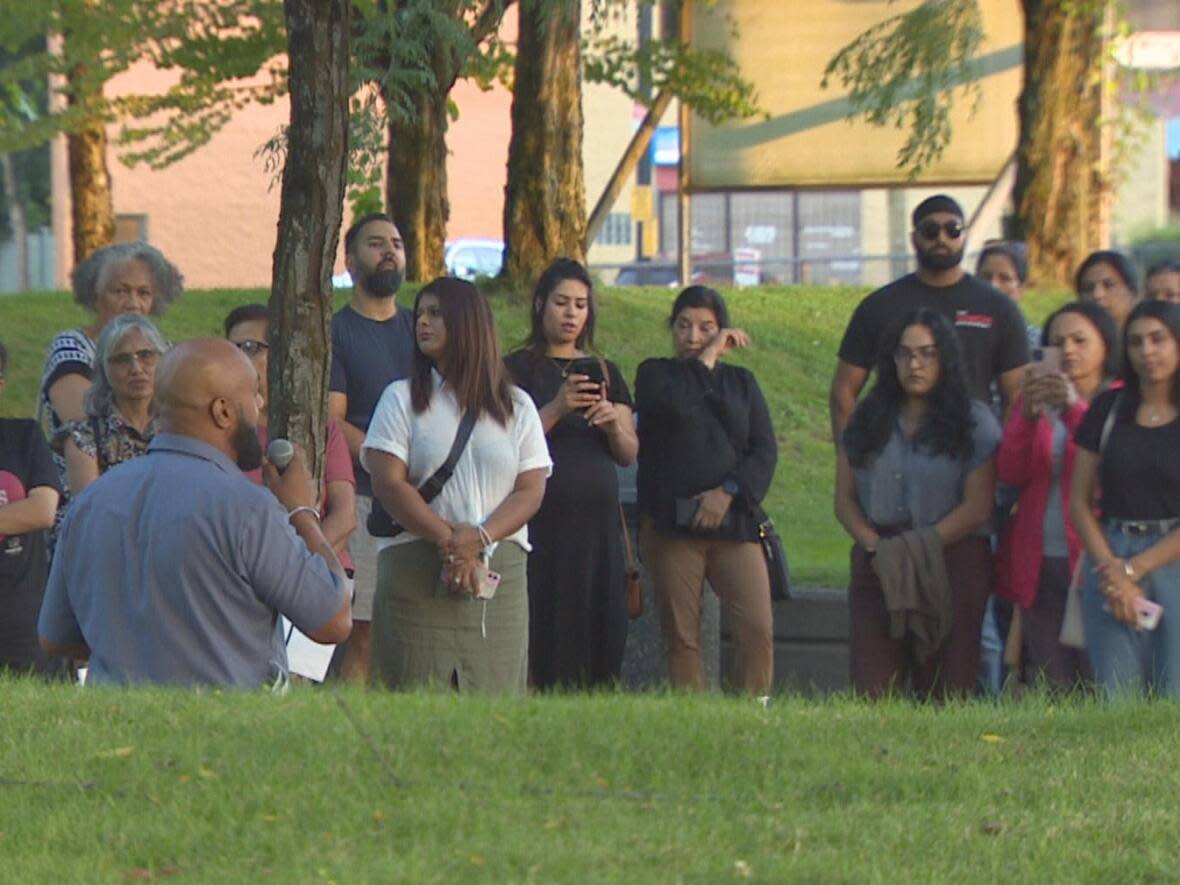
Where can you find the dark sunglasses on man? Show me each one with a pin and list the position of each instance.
(929, 229)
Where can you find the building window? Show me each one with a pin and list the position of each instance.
(616, 231)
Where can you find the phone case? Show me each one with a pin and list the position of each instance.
(1149, 614)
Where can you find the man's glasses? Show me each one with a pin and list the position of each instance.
(252, 347)
(903, 356)
(146, 358)
(929, 229)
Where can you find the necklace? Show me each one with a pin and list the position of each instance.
(562, 364)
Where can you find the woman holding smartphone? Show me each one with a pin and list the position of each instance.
(577, 616)
(1039, 546)
(1127, 447)
(914, 487)
(451, 605)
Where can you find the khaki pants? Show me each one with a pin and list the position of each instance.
(736, 571)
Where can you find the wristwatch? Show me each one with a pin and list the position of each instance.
(1128, 569)
(730, 487)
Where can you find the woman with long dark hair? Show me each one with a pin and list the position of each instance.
(706, 459)
(451, 605)
(914, 488)
(1127, 447)
(577, 616)
(1039, 545)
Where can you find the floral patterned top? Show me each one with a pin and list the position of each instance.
(110, 440)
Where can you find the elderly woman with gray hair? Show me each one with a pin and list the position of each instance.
(119, 417)
(124, 278)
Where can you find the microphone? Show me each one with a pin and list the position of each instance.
(279, 453)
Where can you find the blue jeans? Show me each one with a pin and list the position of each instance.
(1124, 659)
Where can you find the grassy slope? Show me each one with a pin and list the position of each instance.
(106, 786)
(796, 332)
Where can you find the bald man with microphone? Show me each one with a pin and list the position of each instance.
(173, 568)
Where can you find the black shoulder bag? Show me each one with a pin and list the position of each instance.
(381, 525)
(777, 567)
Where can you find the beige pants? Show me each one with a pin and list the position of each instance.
(736, 571)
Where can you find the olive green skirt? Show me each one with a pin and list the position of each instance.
(424, 635)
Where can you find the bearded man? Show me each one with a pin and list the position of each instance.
(173, 568)
(372, 346)
(990, 327)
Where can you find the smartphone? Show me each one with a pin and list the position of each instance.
(1149, 613)
(489, 581)
(589, 366)
(1046, 360)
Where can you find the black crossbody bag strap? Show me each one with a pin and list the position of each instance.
(430, 489)
(381, 525)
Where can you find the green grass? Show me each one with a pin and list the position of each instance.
(796, 333)
(116, 786)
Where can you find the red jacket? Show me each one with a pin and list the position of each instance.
(1025, 461)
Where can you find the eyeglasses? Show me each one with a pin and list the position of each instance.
(252, 347)
(926, 355)
(146, 358)
(929, 229)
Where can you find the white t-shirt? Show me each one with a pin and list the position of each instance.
(486, 471)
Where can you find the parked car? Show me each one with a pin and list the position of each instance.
(471, 257)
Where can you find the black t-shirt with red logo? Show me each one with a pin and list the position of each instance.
(25, 463)
(990, 326)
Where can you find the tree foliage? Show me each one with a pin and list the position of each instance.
(906, 70)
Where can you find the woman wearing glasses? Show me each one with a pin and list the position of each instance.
(914, 487)
(119, 417)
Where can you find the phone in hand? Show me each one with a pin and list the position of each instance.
(1149, 613)
(489, 582)
(589, 366)
(1046, 360)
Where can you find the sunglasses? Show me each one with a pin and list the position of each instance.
(929, 229)
(251, 347)
(145, 357)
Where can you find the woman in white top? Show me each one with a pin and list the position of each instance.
(432, 621)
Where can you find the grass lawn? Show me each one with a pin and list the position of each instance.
(358, 787)
(796, 333)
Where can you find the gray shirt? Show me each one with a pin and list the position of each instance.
(173, 568)
(368, 356)
(904, 484)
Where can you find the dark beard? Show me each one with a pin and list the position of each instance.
(383, 283)
(247, 448)
(939, 261)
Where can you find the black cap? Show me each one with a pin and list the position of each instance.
(937, 203)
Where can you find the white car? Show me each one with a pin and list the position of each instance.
(472, 257)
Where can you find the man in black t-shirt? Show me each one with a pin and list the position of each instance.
(372, 346)
(990, 327)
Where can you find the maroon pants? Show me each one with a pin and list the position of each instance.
(881, 664)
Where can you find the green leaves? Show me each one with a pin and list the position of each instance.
(904, 72)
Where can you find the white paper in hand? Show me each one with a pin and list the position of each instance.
(306, 657)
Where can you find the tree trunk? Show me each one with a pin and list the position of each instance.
(310, 214)
(93, 206)
(545, 198)
(416, 183)
(1061, 182)
(16, 221)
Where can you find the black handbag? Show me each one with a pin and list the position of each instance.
(381, 525)
(777, 567)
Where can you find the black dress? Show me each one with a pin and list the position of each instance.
(577, 613)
